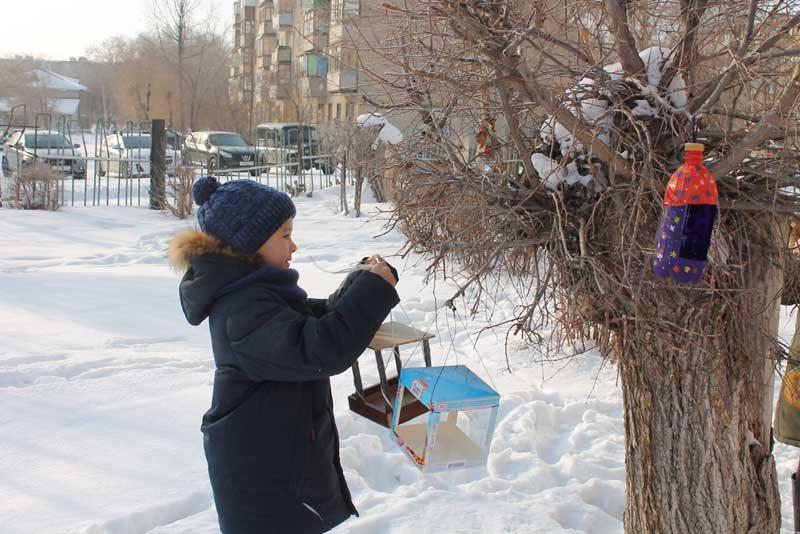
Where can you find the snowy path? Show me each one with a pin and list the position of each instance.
(103, 385)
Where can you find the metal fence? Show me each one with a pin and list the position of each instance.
(117, 176)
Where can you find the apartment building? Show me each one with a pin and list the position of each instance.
(295, 60)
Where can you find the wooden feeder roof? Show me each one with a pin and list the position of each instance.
(394, 334)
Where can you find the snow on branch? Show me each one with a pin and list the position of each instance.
(389, 133)
(591, 103)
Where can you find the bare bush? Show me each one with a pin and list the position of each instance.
(37, 187)
(180, 189)
(353, 148)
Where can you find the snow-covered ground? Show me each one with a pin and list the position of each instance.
(103, 384)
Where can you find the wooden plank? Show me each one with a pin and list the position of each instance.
(394, 334)
(373, 407)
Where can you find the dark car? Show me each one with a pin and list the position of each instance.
(278, 145)
(219, 150)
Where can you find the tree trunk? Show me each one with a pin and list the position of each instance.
(181, 120)
(358, 188)
(343, 190)
(698, 418)
(180, 32)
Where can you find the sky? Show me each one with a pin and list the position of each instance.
(58, 29)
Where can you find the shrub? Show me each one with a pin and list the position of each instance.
(180, 189)
(36, 187)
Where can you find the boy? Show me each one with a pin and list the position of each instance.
(270, 437)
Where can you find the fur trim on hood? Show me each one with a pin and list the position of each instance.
(193, 242)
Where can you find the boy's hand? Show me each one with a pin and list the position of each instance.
(382, 269)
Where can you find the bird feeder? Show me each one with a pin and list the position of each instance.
(461, 419)
(376, 402)
(690, 208)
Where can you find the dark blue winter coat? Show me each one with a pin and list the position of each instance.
(270, 437)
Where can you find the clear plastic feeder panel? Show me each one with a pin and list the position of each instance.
(456, 432)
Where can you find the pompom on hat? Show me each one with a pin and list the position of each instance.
(241, 213)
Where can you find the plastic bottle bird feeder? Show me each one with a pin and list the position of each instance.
(461, 420)
(376, 402)
(690, 208)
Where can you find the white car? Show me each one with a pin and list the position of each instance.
(130, 155)
(53, 148)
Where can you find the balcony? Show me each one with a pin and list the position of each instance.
(343, 80)
(312, 86)
(283, 21)
(282, 55)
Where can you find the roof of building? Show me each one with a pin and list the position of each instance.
(50, 80)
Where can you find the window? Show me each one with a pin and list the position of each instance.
(344, 9)
(338, 112)
(137, 141)
(226, 139)
(336, 11)
(46, 141)
(266, 137)
(330, 112)
(249, 29)
(313, 65)
(351, 8)
(335, 58)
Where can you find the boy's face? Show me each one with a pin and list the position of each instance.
(278, 249)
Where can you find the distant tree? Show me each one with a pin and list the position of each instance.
(144, 80)
(176, 26)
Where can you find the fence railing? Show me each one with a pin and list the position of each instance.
(120, 176)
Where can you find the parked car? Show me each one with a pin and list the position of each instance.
(277, 143)
(130, 150)
(219, 150)
(46, 146)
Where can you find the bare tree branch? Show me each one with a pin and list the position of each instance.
(774, 120)
(628, 53)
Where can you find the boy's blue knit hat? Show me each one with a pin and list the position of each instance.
(241, 213)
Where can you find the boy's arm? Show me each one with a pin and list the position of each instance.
(319, 307)
(274, 342)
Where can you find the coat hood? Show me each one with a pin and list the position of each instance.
(209, 265)
(213, 269)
